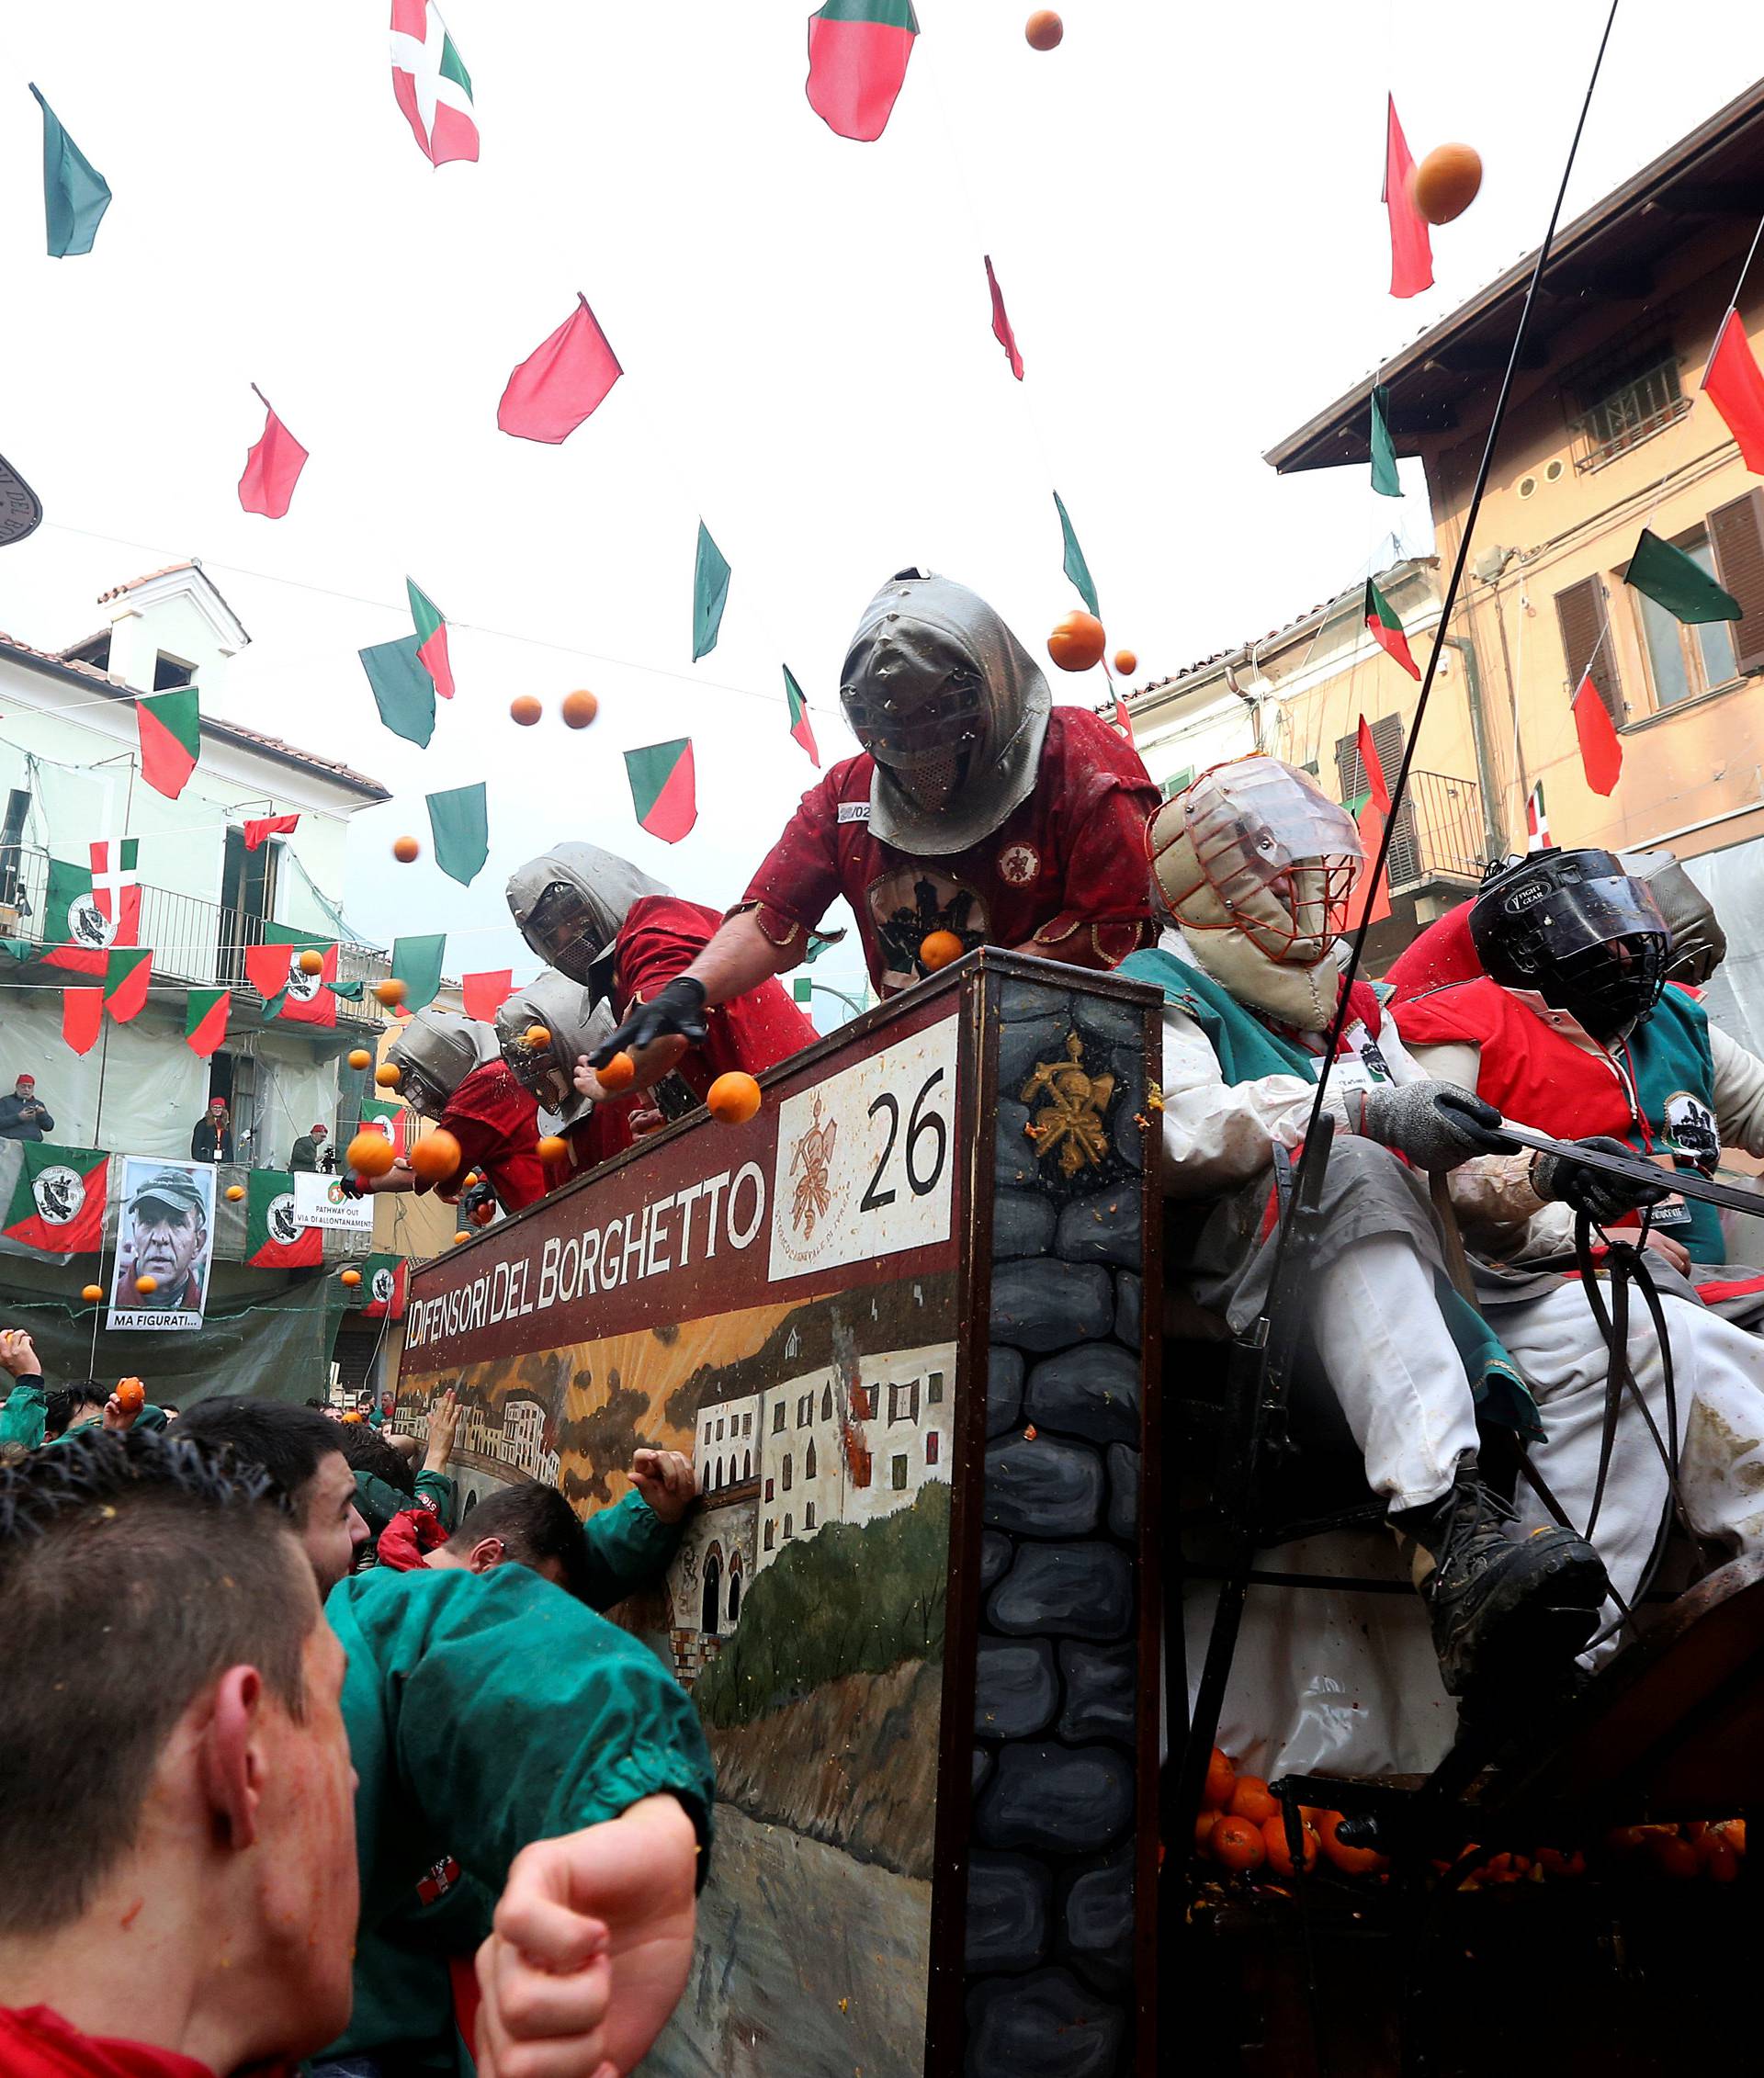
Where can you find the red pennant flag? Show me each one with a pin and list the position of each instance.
(802, 730)
(205, 1019)
(267, 969)
(1411, 254)
(1124, 720)
(1734, 383)
(484, 994)
(170, 728)
(858, 63)
(1002, 330)
(561, 382)
(1537, 820)
(1387, 630)
(126, 980)
(1370, 902)
(82, 1015)
(1373, 766)
(664, 788)
(1602, 755)
(261, 828)
(272, 467)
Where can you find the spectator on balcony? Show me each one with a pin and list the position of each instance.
(308, 1150)
(22, 1117)
(211, 1138)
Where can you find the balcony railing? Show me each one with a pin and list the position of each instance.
(1439, 835)
(199, 943)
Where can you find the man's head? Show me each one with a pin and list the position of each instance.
(173, 1740)
(951, 706)
(532, 1526)
(302, 1452)
(569, 1022)
(1698, 943)
(434, 1053)
(1577, 930)
(318, 1131)
(171, 1228)
(569, 904)
(73, 1406)
(25, 1086)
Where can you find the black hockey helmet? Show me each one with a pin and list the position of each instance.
(1574, 926)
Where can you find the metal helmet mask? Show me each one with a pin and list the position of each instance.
(1698, 943)
(569, 904)
(1258, 866)
(1574, 927)
(574, 1024)
(951, 706)
(434, 1054)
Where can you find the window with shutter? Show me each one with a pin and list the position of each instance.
(1736, 531)
(1582, 615)
(1405, 867)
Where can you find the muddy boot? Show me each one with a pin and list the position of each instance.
(1505, 1612)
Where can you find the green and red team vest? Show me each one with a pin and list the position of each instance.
(1655, 1090)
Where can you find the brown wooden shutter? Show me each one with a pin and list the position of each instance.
(1736, 535)
(1583, 616)
(1388, 740)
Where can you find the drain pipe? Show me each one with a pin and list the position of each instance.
(1494, 829)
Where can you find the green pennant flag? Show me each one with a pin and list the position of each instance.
(1385, 480)
(1077, 569)
(170, 728)
(1673, 580)
(205, 1019)
(403, 691)
(710, 594)
(75, 194)
(459, 823)
(664, 788)
(417, 964)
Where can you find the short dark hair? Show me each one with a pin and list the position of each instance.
(289, 1442)
(135, 1570)
(369, 1452)
(535, 1523)
(61, 1404)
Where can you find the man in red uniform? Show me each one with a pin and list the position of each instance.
(545, 1030)
(624, 939)
(449, 1071)
(976, 806)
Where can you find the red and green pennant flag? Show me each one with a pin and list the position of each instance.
(272, 467)
(709, 594)
(431, 83)
(392, 1119)
(1002, 330)
(417, 964)
(484, 994)
(858, 63)
(380, 1294)
(170, 725)
(665, 789)
(122, 990)
(1387, 631)
(1537, 820)
(460, 824)
(58, 1200)
(298, 997)
(1076, 568)
(1661, 571)
(1412, 251)
(801, 728)
(275, 1237)
(430, 638)
(261, 828)
(1734, 384)
(561, 382)
(1123, 720)
(403, 691)
(75, 194)
(93, 908)
(1370, 809)
(205, 1019)
(1602, 751)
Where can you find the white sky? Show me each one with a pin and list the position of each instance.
(1182, 205)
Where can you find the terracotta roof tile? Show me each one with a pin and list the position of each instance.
(134, 584)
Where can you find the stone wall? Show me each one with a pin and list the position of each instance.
(1050, 1909)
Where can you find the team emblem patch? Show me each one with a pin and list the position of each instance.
(1019, 864)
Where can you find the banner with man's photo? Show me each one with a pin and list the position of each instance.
(165, 1243)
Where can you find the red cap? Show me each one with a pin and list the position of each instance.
(31, 1078)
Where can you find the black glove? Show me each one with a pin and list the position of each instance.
(678, 1012)
(1436, 1125)
(350, 1187)
(1563, 1181)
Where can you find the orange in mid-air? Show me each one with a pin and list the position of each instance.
(404, 849)
(389, 1075)
(93, 1293)
(349, 1277)
(536, 1038)
(577, 709)
(369, 1154)
(359, 1056)
(391, 992)
(1235, 1843)
(146, 1285)
(312, 961)
(525, 710)
(1078, 643)
(131, 1395)
(938, 948)
(437, 1156)
(618, 1074)
(234, 1193)
(1044, 30)
(1445, 182)
(1125, 663)
(733, 1097)
(551, 1147)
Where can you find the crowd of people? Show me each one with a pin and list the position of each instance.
(347, 1775)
